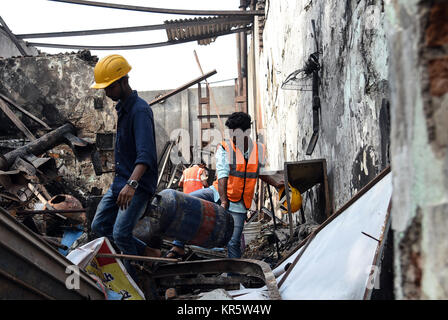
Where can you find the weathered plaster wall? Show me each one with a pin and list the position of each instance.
(56, 89)
(353, 135)
(419, 117)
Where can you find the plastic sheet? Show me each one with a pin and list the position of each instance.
(338, 263)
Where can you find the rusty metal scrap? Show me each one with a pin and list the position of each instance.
(207, 283)
(45, 269)
(67, 202)
(215, 25)
(254, 268)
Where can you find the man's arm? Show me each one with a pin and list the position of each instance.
(222, 190)
(204, 178)
(127, 193)
(222, 170)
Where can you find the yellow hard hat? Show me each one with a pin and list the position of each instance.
(110, 69)
(295, 199)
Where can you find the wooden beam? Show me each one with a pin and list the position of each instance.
(37, 147)
(183, 87)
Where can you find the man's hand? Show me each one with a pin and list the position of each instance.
(225, 204)
(125, 197)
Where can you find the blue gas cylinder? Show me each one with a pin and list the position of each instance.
(191, 220)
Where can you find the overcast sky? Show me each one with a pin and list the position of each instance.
(156, 68)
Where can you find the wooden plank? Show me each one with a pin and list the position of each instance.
(204, 100)
(183, 87)
(136, 258)
(37, 147)
(240, 99)
(24, 111)
(207, 125)
(19, 124)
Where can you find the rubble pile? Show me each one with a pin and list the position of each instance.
(50, 122)
(263, 247)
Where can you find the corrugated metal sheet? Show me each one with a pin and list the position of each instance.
(209, 26)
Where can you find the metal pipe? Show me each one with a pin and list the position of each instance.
(243, 53)
(288, 201)
(162, 10)
(137, 258)
(51, 211)
(165, 162)
(273, 219)
(134, 46)
(170, 25)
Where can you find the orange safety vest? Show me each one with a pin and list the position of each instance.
(192, 179)
(243, 174)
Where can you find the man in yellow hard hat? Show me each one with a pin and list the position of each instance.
(135, 160)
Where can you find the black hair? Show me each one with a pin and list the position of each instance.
(239, 120)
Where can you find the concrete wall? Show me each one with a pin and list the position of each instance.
(9, 49)
(419, 112)
(353, 134)
(384, 83)
(181, 112)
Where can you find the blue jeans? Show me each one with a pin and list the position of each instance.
(234, 245)
(117, 225)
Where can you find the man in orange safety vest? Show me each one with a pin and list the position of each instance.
(194, 178)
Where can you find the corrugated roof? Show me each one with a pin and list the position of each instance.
(210, 26)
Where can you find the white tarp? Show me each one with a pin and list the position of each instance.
(337, 263)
